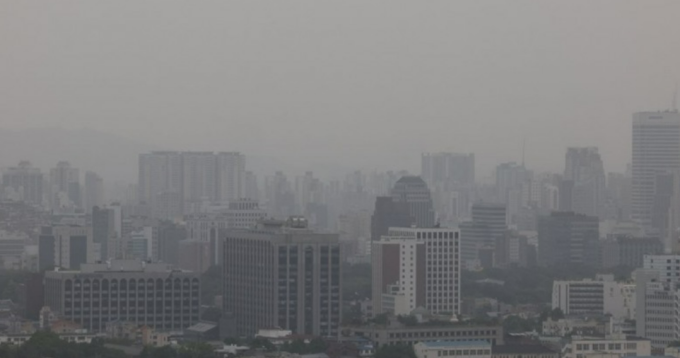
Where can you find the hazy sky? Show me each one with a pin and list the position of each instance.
(353, 83)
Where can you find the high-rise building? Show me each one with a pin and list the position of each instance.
(456, 169)
(199, 177)
(169, 236)
(416, 267)
(413, 191)
(103, 229)
(159, 173)
(25, 181)
(583, 167)
(656, 150)
(629, 251)
(388, 213)
(510, 177)
(66, 247)
(282, 274)
(568, 238)
(151, 294)
(64, 186)
(231, 176)
(93, 194)
(489, 223)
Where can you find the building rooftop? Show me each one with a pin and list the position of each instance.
(521, 348)
(457, 344)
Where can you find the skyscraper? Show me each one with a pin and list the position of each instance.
(94, 191)
(388, 213)
(282, 274)
(413, 191)
(455, 169)
(25, 181)
(159, 173)
(231, 176)
(65, 186)
(656, 149)
(583, 167)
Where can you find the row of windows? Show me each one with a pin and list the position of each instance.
(441, 334)
(464, 352)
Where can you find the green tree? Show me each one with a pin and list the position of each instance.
(195, 350)
(317, 345)
(262, 343)
(517, 324)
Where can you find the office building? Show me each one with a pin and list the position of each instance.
(656, 150)
(66, 247)
(104, 230)
(629, 251)
(523, 351)
(488, 224)
(513, 249)
(398, 334)
(160, 183)
(584, 168)
(416, 267)
(93, 193)
(454, 169)
(142, 244)
(282, 274)
(510, 178)
(169, 236)
(611, 347)
(599, 297)
(64, 186)
(24, 183)
(656, 299)
(231, 176)
(464, 349)
(568, 238)
(194, 255)
(413, 191)
(154, 295)
(388, 213)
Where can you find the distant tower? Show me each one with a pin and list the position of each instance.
(656, 150)
(413, 191)
(584, 168)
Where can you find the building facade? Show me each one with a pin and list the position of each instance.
(416, 267)
(413, 191)
(281, 274)
(24, 181)
(154, 295)
(568, 238)
(656, 150)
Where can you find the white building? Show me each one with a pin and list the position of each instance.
(656, 150)
(463, 349)
(584, 347)
(417, 267)
(600, 296)
(655, 312)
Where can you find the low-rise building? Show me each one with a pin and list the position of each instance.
(566, 326)
(595, 297)
(583, 347)
(395, 333)
(155, 295)
(463, 349)
(523, 351)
